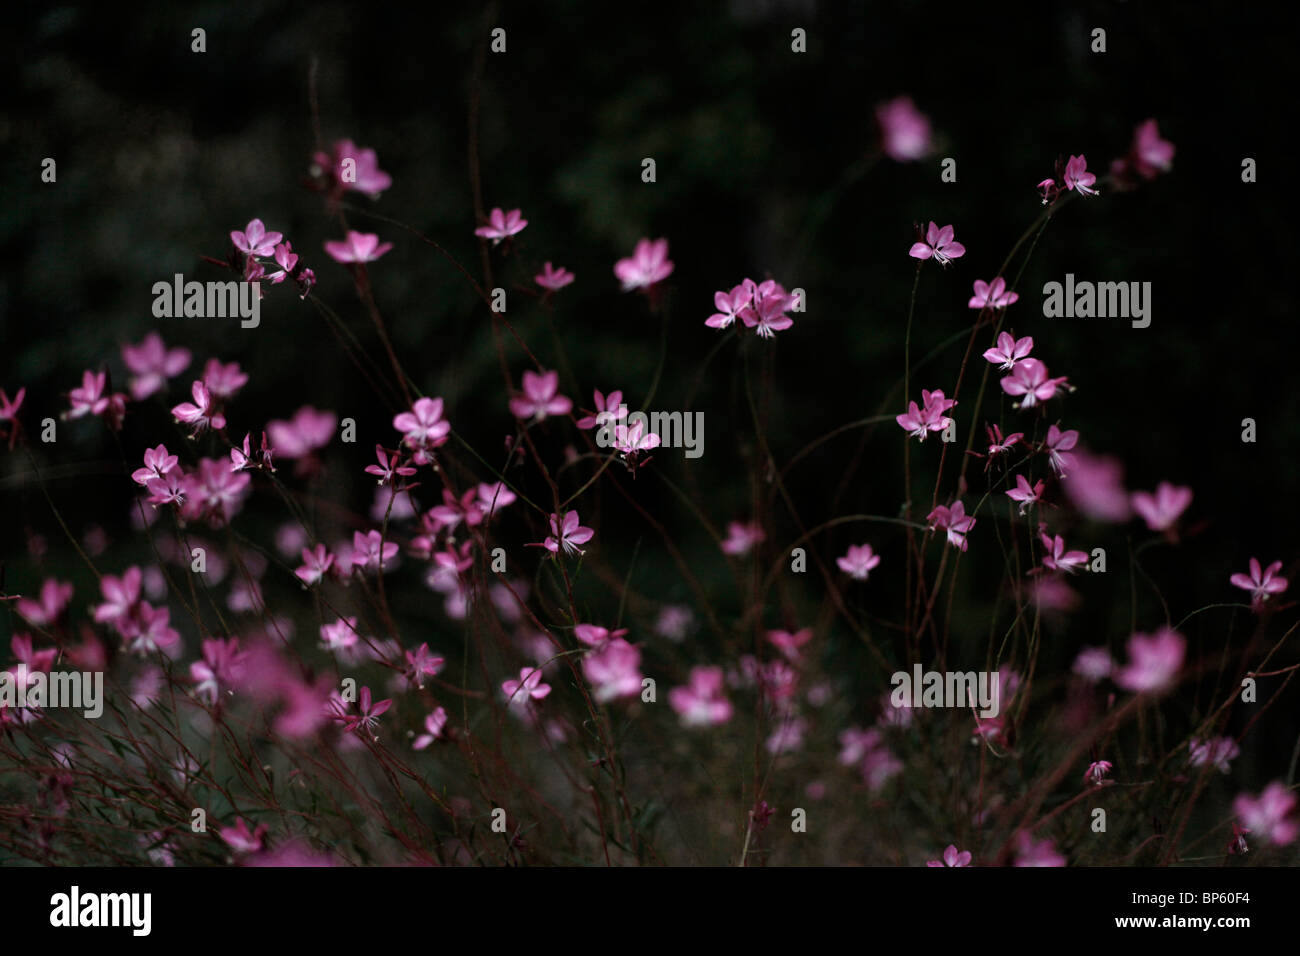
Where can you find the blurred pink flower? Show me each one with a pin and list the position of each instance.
(1095, 486)
(553, 279)
(994, 296)
(540, 397)
(952, 857)
(358, 247)
(240, 839)
(905, 131)
(423, 428)
(1029, 379)
(1162, 509)
(613, 669)
(434, 724)
(702, 702)
(308, 430)
(1154, 661)
(501, 225)
(363, 173)
(648, 265)
(1031, 852)
(152, 364)
(529, 687)
(1267, 815)
(858, 562)
(1217, 752)
(741, 538)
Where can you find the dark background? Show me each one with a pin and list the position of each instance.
(161, 152)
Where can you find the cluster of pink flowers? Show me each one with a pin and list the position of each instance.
(761, 306)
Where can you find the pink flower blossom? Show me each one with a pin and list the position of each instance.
(953, 520)
(358, 247)
(790, 643)
(388, 468)
(240, 839)
(593, 635)
(370, 550)
(223, 381)
(1057, 445)
(730, 305)
(553, 279)
(213, 492)
(741, 538)
(1029, 379)
(1267, 816)
(423, 428)
(1217, 752)
(45, 611)
(152, 364)
(1154, 661)
(1031, 852)
(993, 296)
(90, 399)
(566, 534)
(307, 431)
(255, 240)
(1094, 664)
(1024, 494)
(1096, 772)
(540, 397)
(1009, 350)
(219, 669)
(315, 564)
(702, 702)
(529, 687)
(609, 409)
(1162, 509)
(434, 725)
(1095, 486)
(648, 265)
(905, 131)
(501, 225)
(919, 422)
(149, 630)
(1077, 176)
(939, 244)
(368, 714)
(858, 561)
(613, 669)
(1057, 558)
(1149, 155)
(1260, 583)
(421, 664)
(952, 857)
(767, 315)
(120, 596)
(202, 413)
(362, 174)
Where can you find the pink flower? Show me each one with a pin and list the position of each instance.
(993, 296)
(1057, 445)
(368, 714)
(609, 409)
(919, 422)
(648, 265)
(1096, 772)
(613, 670)
(54, 598)
(239, 838)
(1162, 509)
(202, 413)
(152, 364)
(1024, 494)
(630, 441)
(789, 643)
(998, 445)
(767, 314)
(905, 130)
(566, 534)
(90, 399)
(157, 463)
(1259, 583)
(501, 225)
(1266, 815)
(1031, 852)
(1095, 485)
(362, 175)
(388, 467)
(1057, 558)
(954, 520)
(952, 857)
(370, 550)
(308, 430)
(731, 305)
(421, 664)
(1217, 752)
(9, 408)
(1094, 664)
(520, 693)
(150, 630)
(1154, 661)
(939, 244)
(1149, 155)
(540, 398)
(255, 240)
(1009, 349)
(1078, 177)
(858, 561)
(1029, 379)
(120, 596)
(434, 724)
(553, 279)
(593, 635)
(315, 564)
(741, 538)
(340, 636)
(358, 247)
(423, 428)
(223, 381)
(492, 496)
(213, 492)
(702, 702)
